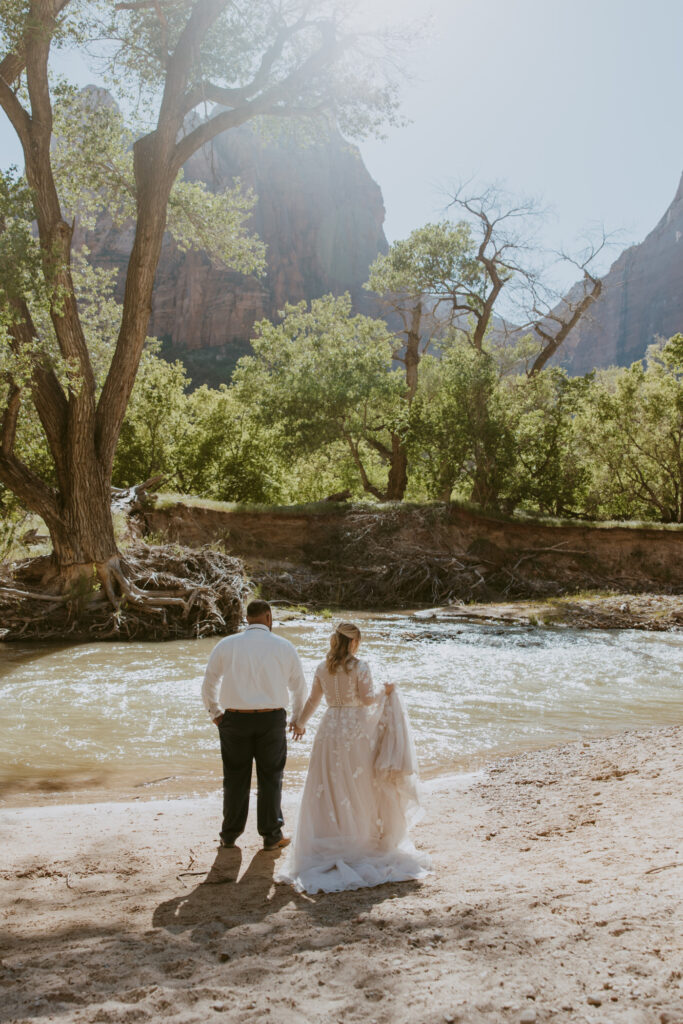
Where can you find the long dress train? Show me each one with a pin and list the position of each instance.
(360, 794)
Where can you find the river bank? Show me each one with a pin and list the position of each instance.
(656, 613)
(556, 897)
(400, 555)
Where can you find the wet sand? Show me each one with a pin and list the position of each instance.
(557, 896)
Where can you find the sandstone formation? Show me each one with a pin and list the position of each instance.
(642, 299)
(320, 214)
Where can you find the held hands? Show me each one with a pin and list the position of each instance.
(296, 731)
(389, 688)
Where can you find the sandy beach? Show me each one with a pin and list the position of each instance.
(557, 895)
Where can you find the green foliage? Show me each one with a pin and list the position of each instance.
(632, 428)
(332, 469)
(608, 445)
(323, 377)
(320, 373)
(227, 454)
(551, 471)
(436, 260)
(155, 423)
(203, 442)
(20, 258)
(460, 435)
(93, 165)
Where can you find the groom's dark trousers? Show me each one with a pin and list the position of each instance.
(248, 736)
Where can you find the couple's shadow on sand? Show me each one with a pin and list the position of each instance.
(228, 900)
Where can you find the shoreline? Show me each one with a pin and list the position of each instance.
(646, 611)
(556, 896)
(103, 791)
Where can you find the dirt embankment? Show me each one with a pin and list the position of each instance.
(357, 556)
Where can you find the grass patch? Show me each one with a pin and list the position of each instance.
(168, 500)
(582, 595)
(13, 548)
(436, 509)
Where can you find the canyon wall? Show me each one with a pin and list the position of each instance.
(642, 298)
(319, 213)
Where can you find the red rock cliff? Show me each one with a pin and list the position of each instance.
(320, 214)
(642, 298)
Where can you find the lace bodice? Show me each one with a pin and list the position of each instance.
(341, 689)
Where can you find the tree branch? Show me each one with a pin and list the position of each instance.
(9, 420)
(368, 486)
(594, 284)
(180, 62)
(19, 118)
(14, 473)
(46, 392)
(227, 96)
(380, 448)
(269, 102)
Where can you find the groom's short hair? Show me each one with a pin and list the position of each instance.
(257, 608)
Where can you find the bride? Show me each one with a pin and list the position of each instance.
(361, 789)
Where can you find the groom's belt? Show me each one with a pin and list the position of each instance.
(251, 711)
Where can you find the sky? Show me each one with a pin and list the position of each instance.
(576, 103)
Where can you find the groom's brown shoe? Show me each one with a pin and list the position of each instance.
(278, 844)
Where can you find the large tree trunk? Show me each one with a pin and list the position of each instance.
(83, 533)
(484, 490)
(397, 481)
(398, 470)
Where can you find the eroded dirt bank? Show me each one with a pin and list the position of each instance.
(357, 556)
(556, 897)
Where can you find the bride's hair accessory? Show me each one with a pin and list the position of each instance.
(340, 643)
(348, 629)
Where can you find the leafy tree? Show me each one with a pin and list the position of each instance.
(225, 452)
(155, 424)
(330, 470)
(323, 376)
(632, 428)
(551, 469)
(240, 59)
(414, 280)
(461, 276)
(460, 433)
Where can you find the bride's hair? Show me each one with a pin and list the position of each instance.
(340, 646)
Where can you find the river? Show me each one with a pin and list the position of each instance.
(128, 717)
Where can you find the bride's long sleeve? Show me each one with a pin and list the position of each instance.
(366, 689)
(314, 698)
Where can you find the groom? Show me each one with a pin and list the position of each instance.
(246, 689)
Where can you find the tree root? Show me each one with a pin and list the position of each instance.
(156, 593)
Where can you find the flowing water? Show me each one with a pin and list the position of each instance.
(127, 715)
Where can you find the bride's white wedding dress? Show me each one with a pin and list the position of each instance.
(360, 794)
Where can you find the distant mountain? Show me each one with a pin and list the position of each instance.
(320, 214)
(642, 299)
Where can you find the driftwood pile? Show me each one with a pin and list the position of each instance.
(404, 557)
(173, 593)
(380, 560)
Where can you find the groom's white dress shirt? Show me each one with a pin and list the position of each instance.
(251, 671)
